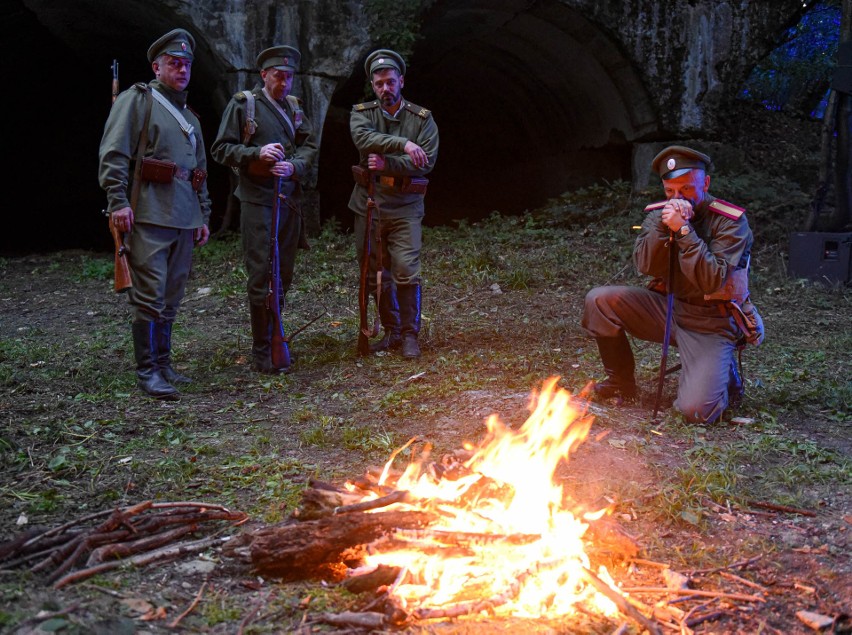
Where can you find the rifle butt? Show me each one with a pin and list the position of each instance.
(280, 352)
(122, 282)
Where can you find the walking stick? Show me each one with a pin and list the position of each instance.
(668, 330)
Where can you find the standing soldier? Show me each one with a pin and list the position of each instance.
(265, 134)
(701, 245)
(153, 168)
(398, 145)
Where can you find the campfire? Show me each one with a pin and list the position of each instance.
(487, 528)
(502, 531)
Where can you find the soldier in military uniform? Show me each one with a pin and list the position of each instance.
(398, 145)
(172, 207)
(712, 242)
(265, 134)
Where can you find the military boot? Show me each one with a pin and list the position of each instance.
(617, 358)
(163, 335)
(736, 389)
(148, 376)
(389, 315)
(409, 313)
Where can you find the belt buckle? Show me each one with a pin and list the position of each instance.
(387, 181)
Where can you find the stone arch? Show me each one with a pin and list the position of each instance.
(531, 99)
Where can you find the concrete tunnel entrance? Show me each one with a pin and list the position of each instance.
(530, 102)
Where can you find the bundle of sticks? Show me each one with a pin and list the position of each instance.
(137, 535)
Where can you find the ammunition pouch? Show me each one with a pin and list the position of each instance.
(159, 171)
(748, 320)
(402, 184)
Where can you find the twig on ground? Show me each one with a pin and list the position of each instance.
(782, 508)
(621, 602)
(707, 594)
(174, 623)
(736, 578)
(737, 565)
(249, 618)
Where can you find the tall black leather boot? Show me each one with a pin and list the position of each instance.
(148, 376)
(617, 358)
(163, 335)
(261, 339)
(389, 315)
(736, 389)
(409, 314)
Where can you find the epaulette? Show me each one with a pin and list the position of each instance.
(294, 101)
(653, 206)
(367, 105)
(141, 87)
(417, 110)
(192, 110)
(728, 210)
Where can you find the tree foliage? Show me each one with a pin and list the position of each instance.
(796, 75)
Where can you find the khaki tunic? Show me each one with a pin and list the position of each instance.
(704, 332)
(175, 204)
(376, 132)
(166, 214)
(257, 193)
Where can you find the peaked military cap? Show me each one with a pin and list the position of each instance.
(177, 43)
(676, 161)
(384, 58)
(283, 58)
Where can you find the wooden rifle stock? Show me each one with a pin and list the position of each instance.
(280, 348)
(122, 268)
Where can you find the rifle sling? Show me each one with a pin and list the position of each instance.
(140, 153)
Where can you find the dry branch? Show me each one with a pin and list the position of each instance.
(121, 532)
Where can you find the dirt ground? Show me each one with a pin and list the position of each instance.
(67, 368)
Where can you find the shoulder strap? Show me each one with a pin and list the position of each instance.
(140, 151)
(251, 125)
(174, 112)
(726, 209)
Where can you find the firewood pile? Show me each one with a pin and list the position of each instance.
(138, 535)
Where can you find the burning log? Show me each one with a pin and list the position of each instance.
(303, 550)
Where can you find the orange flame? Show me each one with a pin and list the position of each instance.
(504, 536)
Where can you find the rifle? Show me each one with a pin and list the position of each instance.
(668, 330)
(280, 349)
(114, 80)
(364, 331)
(122, 268)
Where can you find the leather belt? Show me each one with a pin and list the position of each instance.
(720, 305)
(183, 174)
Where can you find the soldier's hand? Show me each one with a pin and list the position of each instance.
(283, 169)
(417, 154)
(376, 162)
(201, 235)
(676, 213)
(123, 219)
(272, 152)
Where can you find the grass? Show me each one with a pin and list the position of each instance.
(502, 302)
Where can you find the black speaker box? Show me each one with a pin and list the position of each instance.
(821, 256)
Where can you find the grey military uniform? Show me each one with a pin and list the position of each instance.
(703, 330)
(166, 214)
(256, 191)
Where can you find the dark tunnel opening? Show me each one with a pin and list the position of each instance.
(529, 104)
